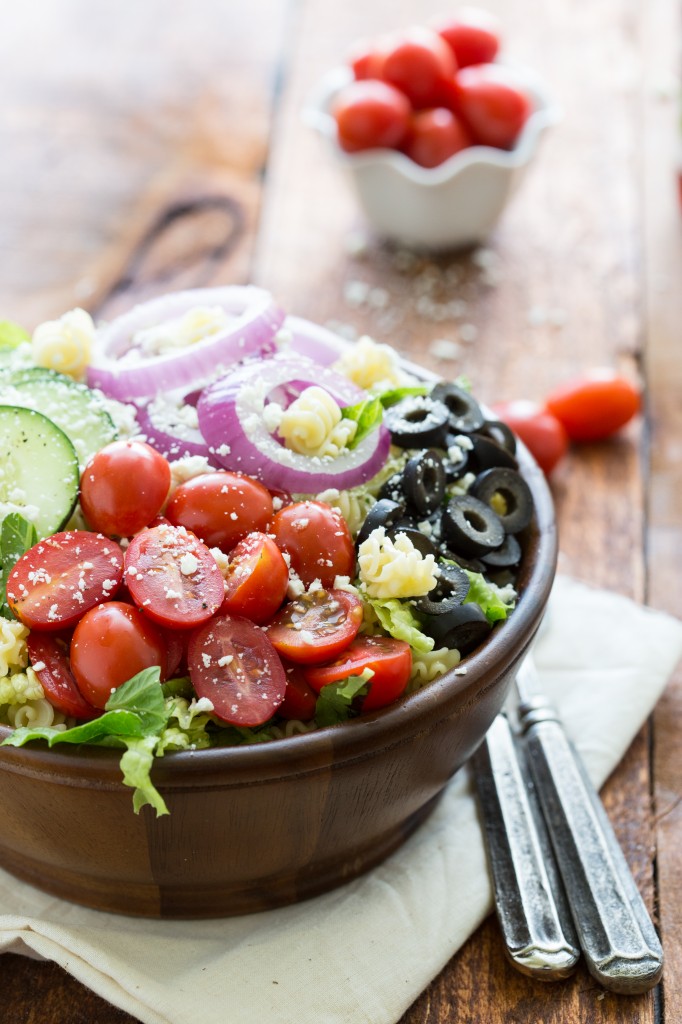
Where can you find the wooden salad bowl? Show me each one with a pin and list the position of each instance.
(255, 827)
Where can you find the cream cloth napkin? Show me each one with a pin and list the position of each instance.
(361, 954)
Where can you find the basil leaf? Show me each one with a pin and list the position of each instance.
(143, 696)
(368, 415)
(17, 535)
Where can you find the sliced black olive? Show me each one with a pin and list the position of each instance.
(393, 488)
(438, 612)
(453, 582)
(472, 564)
(469, 629)
(470, 526)
(384, 513)
(466, 415)
(487, 454)
(455, 467)
(508, 494)
(424, 482)
(506, 556)
(502, 433)
(420, 541)
(417, 422)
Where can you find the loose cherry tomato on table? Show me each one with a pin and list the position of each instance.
(493, 106)
(123, 486)
(256, 580)
(594, 406)
(317, 539)
(370, 114)
(541, 432)
(220, 508)
(316, 626)
(366, 58)
(233, 664)
(173, 577)
(434, 136)
(60, 578)
(472, 34)
(417, 62)
(50, 661)
(390, 660)
(110, 645)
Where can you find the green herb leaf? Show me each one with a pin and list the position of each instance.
(12, 335)
(142, 695)
(17, 535)
(335, 701)
(395, 395)
(368, 415)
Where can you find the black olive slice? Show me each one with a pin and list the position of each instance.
(384, 513)
(470, 526)
(417, 422)
(424, 482)
(452, 582)
(487, 454)
(470, 629)
(508, 494)
(420, 540)
(455, 467)
(472, 564)
(466, 415)
(393, 488)
(502, 433)
(438, 612)
(506, 556)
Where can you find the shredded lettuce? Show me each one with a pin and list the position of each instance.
(335, 702)
(495, 601)
(399, 621)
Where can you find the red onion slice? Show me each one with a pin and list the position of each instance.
(167, 423)
(231, 420)
(257, 320)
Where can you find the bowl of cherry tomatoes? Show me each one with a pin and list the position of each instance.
(433, 129)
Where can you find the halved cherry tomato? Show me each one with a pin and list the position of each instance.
(491, 103)
(317, 539)
(233, 664)
(257, 579)
(173, 577)
(541, 432)
(390, 660)
(299, 698)
(50, 662)
(57, 580)
(596, 405)
(434, 136)
(316, 626)
(221, 508)
(370, 114)
(472, 34)
(417, 62)
(110, 645)
(123, 486)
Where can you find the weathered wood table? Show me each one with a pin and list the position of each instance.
(159, 145)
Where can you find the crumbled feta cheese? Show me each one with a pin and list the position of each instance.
(188, 564)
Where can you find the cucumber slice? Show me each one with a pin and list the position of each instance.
(72, 406)
(39, 472)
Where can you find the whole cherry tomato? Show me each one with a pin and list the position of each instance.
(541, 432)
(472, 34)
(123, 486)
(366, 58)
(434, 136)
(491, 103)
(317, 540)
(221, 508)
(417, 62)
(110, 645)
(370, 114)
(596, 405)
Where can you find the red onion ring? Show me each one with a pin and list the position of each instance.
(257, 321)
(231, 420)
(173, 441)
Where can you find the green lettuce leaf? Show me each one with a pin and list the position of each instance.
(335, 702)
(399, 621)
(136, 765)
(494, 602)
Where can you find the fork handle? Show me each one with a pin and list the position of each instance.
(531, 908)
(619, 942)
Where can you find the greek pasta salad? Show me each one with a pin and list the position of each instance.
(224, 525)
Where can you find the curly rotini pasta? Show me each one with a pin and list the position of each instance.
(391, 569)
(428, 666)
(312, 425)
(13, 653)
(34, 714)
(65, 344)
